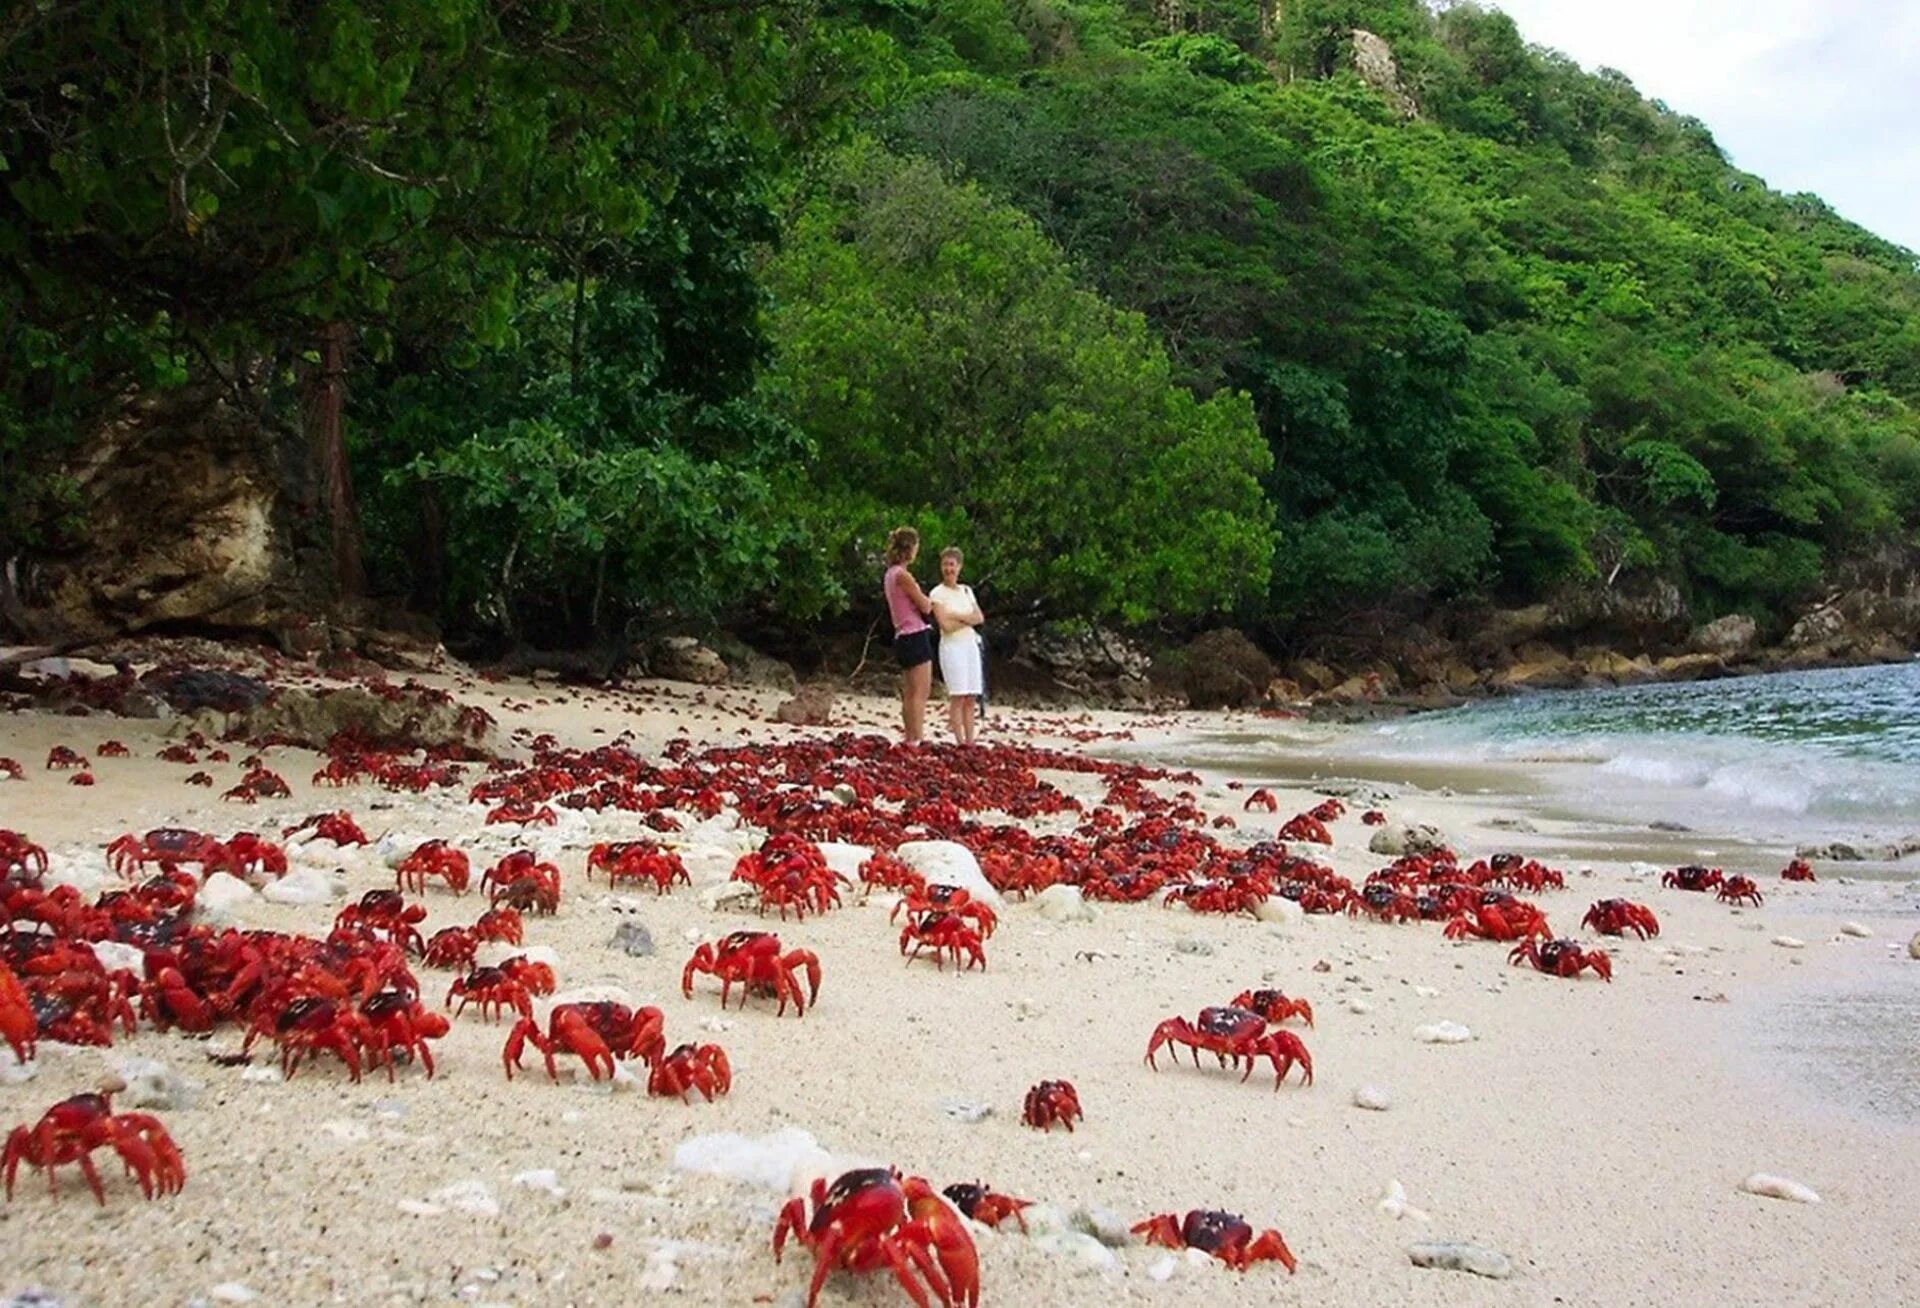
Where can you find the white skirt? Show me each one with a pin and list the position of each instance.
(960, 666)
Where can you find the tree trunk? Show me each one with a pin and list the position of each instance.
(326, 399)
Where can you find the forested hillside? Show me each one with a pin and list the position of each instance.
(1165, 311)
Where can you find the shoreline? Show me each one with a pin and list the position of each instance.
(1593, 1133)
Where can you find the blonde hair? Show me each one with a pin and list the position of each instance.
(953, 552)
(902, 542)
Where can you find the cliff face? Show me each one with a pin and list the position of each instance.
(191, 517)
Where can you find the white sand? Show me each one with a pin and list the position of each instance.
(1597, 1135)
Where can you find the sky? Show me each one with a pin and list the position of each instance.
(1809, 95)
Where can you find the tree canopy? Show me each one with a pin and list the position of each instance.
(1159, 311)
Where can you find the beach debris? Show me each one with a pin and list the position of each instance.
(1195, 948)
(1086, 1252)
(1372, 1098)
(471, 1195)
(1358, 1005)
(1163, 1268)
(233, 1292)
(662, 1269)
(1778, 1187)
(1103, 1224)
(1063, 903)
(220, 896)
(1323, 966)
(1519, 824)
(1443, 1033)
(1278, 910)
(541, 1178)
(1854, 929)
(729, 895)
(1426, 992)
(1913, 946)
(1394, 1204)
(781, 1160)
(1460, 1256)
(1716, 997)
(1024, 1008)
(115, 956)
(969, 1111)
(1666, 824)
(307, 885)
(1790, 942)
(632, 939)
(1407, 838)
(149, 1083)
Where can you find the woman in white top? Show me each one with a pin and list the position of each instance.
(957, 613)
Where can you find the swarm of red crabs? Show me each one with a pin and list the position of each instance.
(353, 1002)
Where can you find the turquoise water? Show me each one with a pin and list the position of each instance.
(1789, 754)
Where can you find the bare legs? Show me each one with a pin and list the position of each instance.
(915, 685)
(960, 717)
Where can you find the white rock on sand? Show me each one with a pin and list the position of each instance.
(1063, 904)
(1778, 1187)
(1854, 929)
(1789, 942)
(1460, 1256)
(949, 863)
(1394, 1204)
(1913, 946)
(1443, 1033)
(1372, 1098)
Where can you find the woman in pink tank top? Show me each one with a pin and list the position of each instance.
(909, 606)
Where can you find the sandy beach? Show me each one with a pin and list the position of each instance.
(1594, 1134)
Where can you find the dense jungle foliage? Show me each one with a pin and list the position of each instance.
(1159, 309)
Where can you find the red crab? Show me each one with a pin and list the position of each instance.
(946, 935)
(979, 1201)
(1500, 919)
(199, 779)
(1373, 817)
(20, 857)
(397, 1022)
(521, 813)
(502, 925)
(386, 915)
(339, 827)
(512, 983)
(1561, 958)
(62, 757)
(434, 858)
(110, 749)
(638, 860)
(597, 1032)
(523, 883)
(874, 1218)
(1740, 890)
(1274, 1006)
(1307, 827)
(80, 779)
(309, 1025)
(753, 958)
(691, 1067)
(247, 855)
(1233, 1034)
(1798, 870)
(18, 1026)
(451, 947)
(1616, 917)
(885, 872)
(1226, 1236)
(790, 872)
(72, 1129)
(10, 770)
(1261, 799)
(1050, 1102)
(941, 898)
(1693, 877)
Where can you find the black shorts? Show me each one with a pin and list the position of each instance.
(914, 648)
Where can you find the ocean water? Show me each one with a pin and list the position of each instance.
(1832, 754)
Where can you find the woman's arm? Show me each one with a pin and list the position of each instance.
(911, 587)
(947, 620)
(974, 616)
